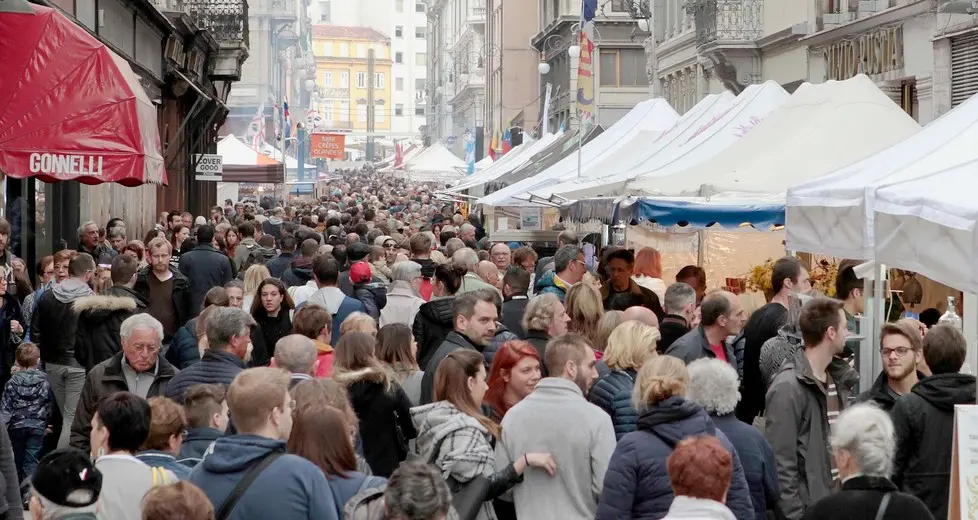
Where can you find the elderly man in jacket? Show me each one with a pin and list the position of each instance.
(138, 369)
(804, 400)
(722, 316)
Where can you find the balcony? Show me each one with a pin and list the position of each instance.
(227, 22)
(477, 16)
(720, 22)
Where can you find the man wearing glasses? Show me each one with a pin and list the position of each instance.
(569, 268)
(900, 350)
(138, 369)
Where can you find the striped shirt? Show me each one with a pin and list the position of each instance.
(833, 406)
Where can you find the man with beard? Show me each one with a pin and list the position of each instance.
(557, 418)
(900, 348)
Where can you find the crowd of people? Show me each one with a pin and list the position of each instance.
(374, 355)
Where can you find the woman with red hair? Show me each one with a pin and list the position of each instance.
(647, 272)
(514, 374)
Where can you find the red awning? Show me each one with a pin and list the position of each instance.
(71, 108)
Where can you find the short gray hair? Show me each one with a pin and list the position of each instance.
(866, 432)
(117, 232)
(405, 271)
(466, 258)
(539, 313)
(466, 227)
(140, 321)
(224, 323)
(678, 296)
(564, 256)
(81, 228)
(713, 384)
(295, 353)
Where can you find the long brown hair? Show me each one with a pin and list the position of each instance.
(258, 310)
(452, 385)
(313, 424)
(354, 352)
(319, 393)
(394, 346)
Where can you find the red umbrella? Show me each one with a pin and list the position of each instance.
(71, 108)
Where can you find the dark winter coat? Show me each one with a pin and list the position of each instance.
(384, 413)
(99, 319)
(10, 311)
(273, 328)
(513, 310)
(613, 394)
(299, 273)
(539, 340)
(103, 380)
(10, 499)
(637, 482)
(373, 296)
(756, 455)
(500, 337)
(57, 344)
(183, 350)
(454, 341)
(650, 300)
(181, 294)
(205, 267)
(216, 367)
(693, 345)
(27, 401)
(431, 325)
(879, 394)
(196, 443)
(924, 424)
(278, 265)
(861, 497)
(672, 327)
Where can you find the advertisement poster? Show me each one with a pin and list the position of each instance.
(327, 146)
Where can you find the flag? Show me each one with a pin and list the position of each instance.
(287, 124)
(585, 78)
(588, 9)
(398, 155)
(470, 152)
(256, 130)
(507, 142)
(494, 145)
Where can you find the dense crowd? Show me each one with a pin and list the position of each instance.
(374, 355)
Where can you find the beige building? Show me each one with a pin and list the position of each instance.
(514, 83)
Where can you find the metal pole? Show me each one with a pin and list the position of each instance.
(371, 57)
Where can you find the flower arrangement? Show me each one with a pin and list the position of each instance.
(823, 276)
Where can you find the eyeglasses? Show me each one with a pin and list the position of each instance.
(390, 245)
(901, 351)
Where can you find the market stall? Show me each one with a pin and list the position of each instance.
(516, 158)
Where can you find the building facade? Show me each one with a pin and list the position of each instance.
(348, 79)
(513, 86)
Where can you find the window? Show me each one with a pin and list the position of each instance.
(420, 84)
(328, 78)
(361, 50)
(419, 7)
(419, 111)
(362, 113)
(345, 79)
(361, 80)
(619, 6)
(398, 110)
(400, 6)
(328, 110)
(344, 111)
(399, 31)
(379, 80)
(380, 115)
(344, 50)
(623, 68)
(419, 32)
(324, 12)
(398, 57)
(399, 84)
(420, 59)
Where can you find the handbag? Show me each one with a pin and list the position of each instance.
(883, 505)
(467, 497)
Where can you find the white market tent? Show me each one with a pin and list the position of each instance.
(834, 214)
(484, 163)
(819, 129)
(291, 164)
(435, 159)
(708, 135)
(235, 152)
(516, 158)
(655, 115)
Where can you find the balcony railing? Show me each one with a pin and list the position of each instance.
(227, 20)
(477, 15)
(727, 20)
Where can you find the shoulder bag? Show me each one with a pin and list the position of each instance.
(881, 512)
(249, 478)
(467, 497)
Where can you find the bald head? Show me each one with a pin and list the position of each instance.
(352, 238)
(641, 314)
(488, 272)
(296, 353)
(723, 310)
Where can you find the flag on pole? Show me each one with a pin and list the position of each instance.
(398, 155)
(585, 68)
(494, 145)
(507, 142)
(256, 130)
(287, 124)
(470, 152)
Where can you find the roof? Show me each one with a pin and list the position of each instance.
(340, 32)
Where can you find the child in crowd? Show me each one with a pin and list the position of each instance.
(25, 409)
(373, 295)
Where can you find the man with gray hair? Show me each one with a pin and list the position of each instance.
(228, 336)
(566, 237)
(297, 354)
(680, 306)
(89, 243)
(138, 368)
(468, 259)
(714, 386)
(569, 268)
(403, 296)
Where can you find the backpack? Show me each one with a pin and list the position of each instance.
(367, 483)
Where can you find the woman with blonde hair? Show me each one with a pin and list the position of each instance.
(543, 320)
(253, 278)
(458, 439)
(647, 271)
(584, 308)
(630, 346)
(637, 483)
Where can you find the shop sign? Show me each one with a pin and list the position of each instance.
(327, 146)
(210, 167)
(66, 164)
(878, 52)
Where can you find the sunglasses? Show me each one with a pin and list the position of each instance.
(390, 245)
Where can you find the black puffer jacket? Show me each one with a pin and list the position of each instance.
(454, 341)
(299, 273)
(431, 325)
(181, 294)
(672, 327)
(613, 394)
(373, 296)
(99, 320)
(216, 367)
(924, 423)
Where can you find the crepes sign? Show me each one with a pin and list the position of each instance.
(327, 146)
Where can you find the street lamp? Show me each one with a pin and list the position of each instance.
(543, 68)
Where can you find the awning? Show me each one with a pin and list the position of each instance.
(71, 108)
(243, 163)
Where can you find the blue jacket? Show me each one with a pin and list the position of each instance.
(757, 456)
(159, 459)
(637, 482)
(216, 367)
(196, 443)
(183, 350)
(290, 488)
(613, 393)
(27, 400)
(546, 285)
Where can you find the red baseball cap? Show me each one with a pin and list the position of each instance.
(360, 272)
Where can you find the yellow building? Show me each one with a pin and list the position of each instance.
(341, 73)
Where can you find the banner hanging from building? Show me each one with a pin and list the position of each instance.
(585, 77)
(327, 146)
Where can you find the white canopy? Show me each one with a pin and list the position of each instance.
(507, 163)
(291, 164)
(484, 163)
(653, 115)
(235, 152)
(699, 140)
(435, 159)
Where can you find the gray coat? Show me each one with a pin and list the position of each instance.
(797, 428)
(693, 345)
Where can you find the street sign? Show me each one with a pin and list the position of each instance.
(210, 167)
(327, 146)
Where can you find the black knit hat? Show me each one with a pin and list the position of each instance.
(62, 473)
